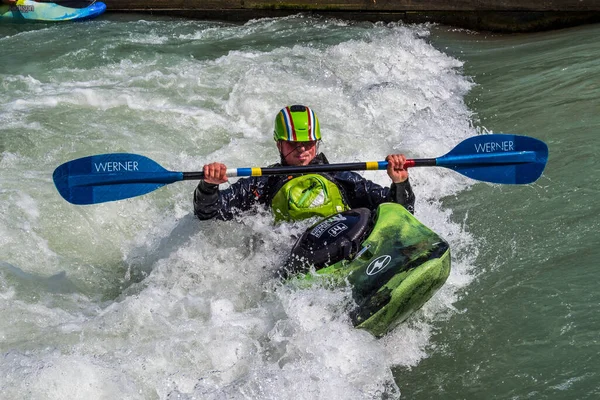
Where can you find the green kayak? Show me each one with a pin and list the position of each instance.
(392, 261)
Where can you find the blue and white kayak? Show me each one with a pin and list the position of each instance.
(67, 10)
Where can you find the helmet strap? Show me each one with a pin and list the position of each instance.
(283, 156)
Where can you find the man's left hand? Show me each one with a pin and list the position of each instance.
(395, 169)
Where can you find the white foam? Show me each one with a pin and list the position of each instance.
(170, 306)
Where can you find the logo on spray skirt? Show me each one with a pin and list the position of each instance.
(328, 223)
(378, 265)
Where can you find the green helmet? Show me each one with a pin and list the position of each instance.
(297, 124)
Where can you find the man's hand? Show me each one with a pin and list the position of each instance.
(214, 173)
(395, 168)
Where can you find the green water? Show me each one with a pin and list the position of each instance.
(137, 299)
(528, 327)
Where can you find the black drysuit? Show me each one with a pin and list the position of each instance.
(243, 195)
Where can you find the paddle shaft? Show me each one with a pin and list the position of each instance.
(496, 159)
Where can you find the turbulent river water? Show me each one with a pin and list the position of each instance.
(138, 299)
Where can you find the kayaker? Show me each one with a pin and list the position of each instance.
(296, 197)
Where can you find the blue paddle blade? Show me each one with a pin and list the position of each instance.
(498, 158)
(110, 177)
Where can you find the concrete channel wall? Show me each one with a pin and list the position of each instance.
(482, 15)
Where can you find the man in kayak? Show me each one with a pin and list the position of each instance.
(296, 197)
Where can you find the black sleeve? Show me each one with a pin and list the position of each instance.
(361, 192)
(402, 193)
(210, 202)
(206, 199)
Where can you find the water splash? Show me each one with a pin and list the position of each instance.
(187, 308)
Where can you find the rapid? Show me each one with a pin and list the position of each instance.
(137, 299)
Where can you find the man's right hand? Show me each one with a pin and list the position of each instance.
(214, 173)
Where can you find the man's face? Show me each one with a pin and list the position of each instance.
(297, 153)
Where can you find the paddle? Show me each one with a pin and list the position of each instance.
(499, 158)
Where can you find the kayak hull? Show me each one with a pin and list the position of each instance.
(41, 11)
(405, 296)
(398, 266)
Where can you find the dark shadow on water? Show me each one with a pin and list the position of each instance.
(31, 283)
(141, 260)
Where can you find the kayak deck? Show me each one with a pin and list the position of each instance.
(400, 265)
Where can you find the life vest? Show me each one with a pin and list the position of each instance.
(307, 196)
